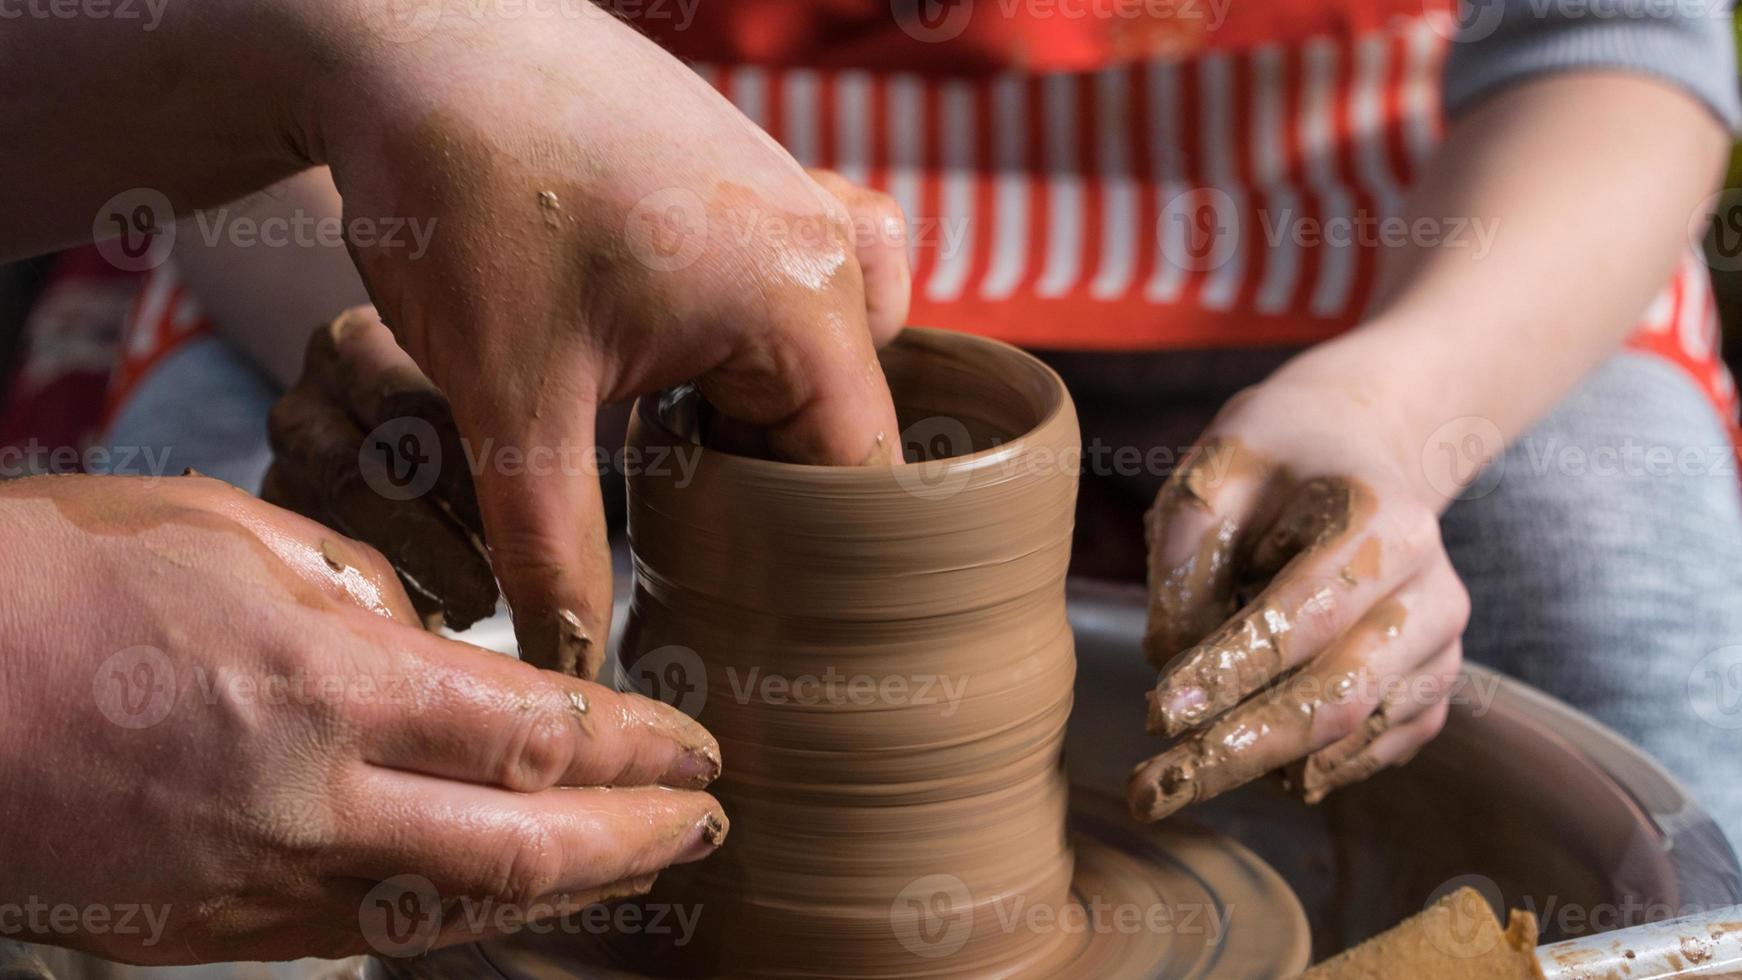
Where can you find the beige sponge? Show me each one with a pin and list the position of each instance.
(1456, 938)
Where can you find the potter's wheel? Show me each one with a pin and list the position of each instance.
(1176, 902)
(1531, 801)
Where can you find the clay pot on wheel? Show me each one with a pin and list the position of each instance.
(884, 656)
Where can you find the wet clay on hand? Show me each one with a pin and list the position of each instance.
(312, 565)
(355, 382)
(1201, 628)
(1221, 635)
(884, 656)
(1456, 938)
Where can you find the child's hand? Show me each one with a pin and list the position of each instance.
(1302, 605)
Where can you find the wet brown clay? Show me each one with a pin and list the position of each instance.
(887, 665)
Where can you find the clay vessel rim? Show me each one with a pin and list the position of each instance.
(1057, 406)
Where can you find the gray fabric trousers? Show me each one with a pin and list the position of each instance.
(1600, 572)
(1605, 567)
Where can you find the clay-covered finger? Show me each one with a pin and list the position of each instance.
(1394, 745)
(360, 366)
(1350, 563)
(479, 842)
(320, 458)
(472, 715)
(880, 241)
(1328, 769)
(1325, 702)
(808, 373)
(1194, 535)
(548, 543)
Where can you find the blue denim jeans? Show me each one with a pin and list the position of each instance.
(1604, 564)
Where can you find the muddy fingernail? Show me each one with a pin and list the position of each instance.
(1309, 779)
(1164, 785)
(696, 767)
(705, 839)
(1174, 709)
(698, 760)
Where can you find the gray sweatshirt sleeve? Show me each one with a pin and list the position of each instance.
(1686, 42)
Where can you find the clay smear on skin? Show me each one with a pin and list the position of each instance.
(1247, 650)
(170, 528)
(1349, 761)
(1191, 597)
(1244, 745)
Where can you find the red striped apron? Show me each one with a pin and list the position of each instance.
(1117, 180)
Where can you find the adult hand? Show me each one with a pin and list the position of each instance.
(356, 380)
(225, 730)
(583, 248)
(1302, 608)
